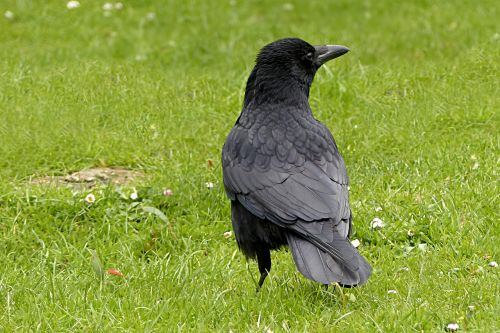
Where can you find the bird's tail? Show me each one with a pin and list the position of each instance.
(327, 263)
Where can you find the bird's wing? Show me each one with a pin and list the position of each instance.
(285, 168)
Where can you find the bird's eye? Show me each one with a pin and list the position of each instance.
(309, 56)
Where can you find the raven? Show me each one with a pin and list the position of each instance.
(283, 173)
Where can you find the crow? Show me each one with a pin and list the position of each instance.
(283, 173)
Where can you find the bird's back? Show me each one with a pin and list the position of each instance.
(279, 139)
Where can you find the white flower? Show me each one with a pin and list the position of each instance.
(411, 233)
(377, 223)
(134, 196)
(209, 185)
(118, 6)
(355, 242)
(90, 198)
(107, 6)
(471, 307)
(452, 327)
(228, 234)
(422, 247)
(475, 166)
(392, 291)
(8, 15)
(493, 264)
(73, 4)
(378, 209)
(150, 16)
(168, 192)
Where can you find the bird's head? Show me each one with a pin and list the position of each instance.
(288, 64)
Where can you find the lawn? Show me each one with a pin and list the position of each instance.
(155, 87)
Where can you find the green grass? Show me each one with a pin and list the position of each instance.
(414, 108)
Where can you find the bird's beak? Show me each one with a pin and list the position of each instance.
(325, 53)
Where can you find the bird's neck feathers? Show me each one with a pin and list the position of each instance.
(272, 87)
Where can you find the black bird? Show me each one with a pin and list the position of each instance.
(283, 173)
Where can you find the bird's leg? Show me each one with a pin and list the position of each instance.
(263, 276)
(264, 261)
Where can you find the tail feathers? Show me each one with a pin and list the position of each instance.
(320, 266)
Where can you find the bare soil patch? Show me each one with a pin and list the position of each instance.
(89, 178)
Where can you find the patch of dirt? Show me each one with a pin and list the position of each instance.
(89, 178)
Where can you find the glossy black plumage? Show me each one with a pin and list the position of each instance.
(283, 173)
